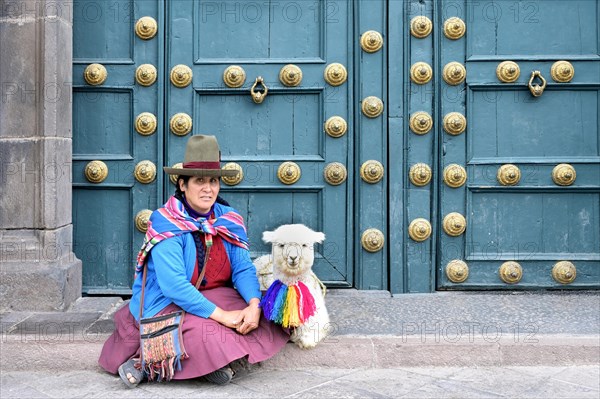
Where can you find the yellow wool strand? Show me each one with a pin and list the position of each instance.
(294, 318)
(286, 311)
(291, 317)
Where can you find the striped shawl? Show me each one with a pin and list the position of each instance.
(171, 220)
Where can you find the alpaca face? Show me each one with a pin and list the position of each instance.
(293, 248)
(293, 258)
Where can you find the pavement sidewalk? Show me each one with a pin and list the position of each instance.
(572, 382)
(446, 344)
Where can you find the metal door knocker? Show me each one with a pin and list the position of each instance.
(536, 89)
(259, 96)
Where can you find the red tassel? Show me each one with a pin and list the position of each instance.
(308, 302)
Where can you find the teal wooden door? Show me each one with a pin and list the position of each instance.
(113, 133)
(531, 198)
(215, 52)
(422, 174)
(138, 118)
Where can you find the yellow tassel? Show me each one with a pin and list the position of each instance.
(286, 310)
(292, 299)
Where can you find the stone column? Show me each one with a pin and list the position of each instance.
(38, 270)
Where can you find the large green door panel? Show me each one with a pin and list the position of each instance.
(385, 229)
(208, 37)
(105, 237)
(534, 222)
(261, 38)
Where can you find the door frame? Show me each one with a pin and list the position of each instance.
(372, 270)
(412, 265)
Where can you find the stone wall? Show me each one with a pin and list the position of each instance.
(38, 270)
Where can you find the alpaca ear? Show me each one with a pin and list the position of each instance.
(318, 237)
(268, 236)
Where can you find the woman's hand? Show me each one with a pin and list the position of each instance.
(229, 318)
(248, 317)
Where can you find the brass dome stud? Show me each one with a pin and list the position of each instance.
(289, 173)
(233, 180)
(181, 75)
(454, 28)
(180, 124)
(454, 73)
(454, 224)
(372, 240)
(95, 74)
(371, 41)
(145, 172)
(457, 271)
(421, 73)
(96, 171)
(234, 76)
(145, 75)
(508, 175)
(145, 123)
(146, 28)
(335, 173)
(335, 74)
(508, 71)
(564, 174)
(290, 75)
(455, 175)
(510, 272)
(173, 178)
(420, 122)
(419, 229)
(562, 71)
(420, 174)
(454, 123)
(372, 107)
(141, 220)
(335, 126)
(564, 272)
(420, 26)
(371, 171)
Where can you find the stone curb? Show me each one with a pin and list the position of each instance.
(346, 352)
(370, 330)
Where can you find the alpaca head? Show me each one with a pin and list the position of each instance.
(293, 251)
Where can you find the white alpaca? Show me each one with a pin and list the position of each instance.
(293, 252)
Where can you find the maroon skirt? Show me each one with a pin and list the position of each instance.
(210, 345)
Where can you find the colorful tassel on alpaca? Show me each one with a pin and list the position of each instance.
(279, 305)
(308, 302)
(289, 306)
(268, 301)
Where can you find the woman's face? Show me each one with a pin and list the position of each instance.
(201, 192)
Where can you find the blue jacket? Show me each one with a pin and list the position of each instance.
(170, 267)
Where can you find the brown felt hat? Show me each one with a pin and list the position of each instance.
(202, 158)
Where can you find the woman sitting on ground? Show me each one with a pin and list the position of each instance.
(223, 322)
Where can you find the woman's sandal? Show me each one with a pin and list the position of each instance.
(221, 376)
(130, 375)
